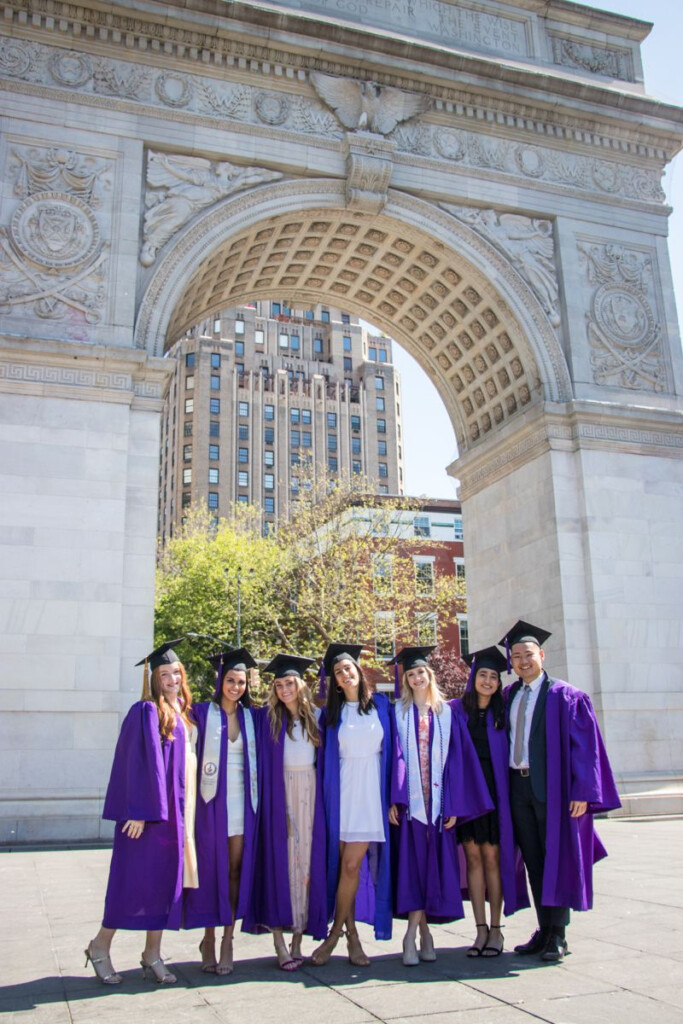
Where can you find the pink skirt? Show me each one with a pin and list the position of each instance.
(300, 800)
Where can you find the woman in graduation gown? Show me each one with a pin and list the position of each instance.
(494, 865)
(357, 776)
(436, 778)
(227, 808)
(151, 798)
(290, 850)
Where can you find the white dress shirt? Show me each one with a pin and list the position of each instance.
(534, 690)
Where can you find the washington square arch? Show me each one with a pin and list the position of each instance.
(481, 180)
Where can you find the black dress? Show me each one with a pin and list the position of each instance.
(484, 829)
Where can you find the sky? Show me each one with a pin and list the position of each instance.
(429, 440)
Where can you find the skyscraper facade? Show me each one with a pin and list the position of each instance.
(267, 394)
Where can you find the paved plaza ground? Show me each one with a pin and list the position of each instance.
(626, 962)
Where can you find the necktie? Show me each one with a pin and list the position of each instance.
(518, 752)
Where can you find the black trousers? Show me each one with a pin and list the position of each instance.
(529, 821)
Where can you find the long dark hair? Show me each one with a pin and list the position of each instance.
(336, 699)
(470, 702)
(245, 699)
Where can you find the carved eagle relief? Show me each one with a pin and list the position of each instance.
(367, 106)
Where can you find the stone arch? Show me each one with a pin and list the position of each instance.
(477, 327)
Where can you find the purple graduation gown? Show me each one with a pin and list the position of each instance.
(271, 905)
(147, 783)
(209, 905)
(373, 900)
(577, 769)
(428, 875)
(512, 874)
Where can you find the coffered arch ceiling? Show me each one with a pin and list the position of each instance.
(439, 289)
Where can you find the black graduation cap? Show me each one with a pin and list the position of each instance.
(234, 658)
(412, 657)
(341, 652)
(486, 657)
(164, 655)
(288, 665)
(524, 632)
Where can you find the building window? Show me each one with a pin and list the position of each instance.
(356, 466)
(318, 346)
(268, 458)
(189, 406)
(275, 309)
(422, 526)
(269, 435)
(239, 326)
(308, 315)
(239, 348)
(305, 415)
(382, 355)
(189, 382)
(239, 367)
(294, 342)
(215, 406)
(333, 463)
(346, 319)
(426, 629)
(294, 439)
(384, 634)
(187, 429)
(186, 499)
(383, 470)
(243, 478)
(355, 446)
(294, 415)
(243, 455)
(243, 409)
(306, 439)
(457, 527)
(213, 499)
(243, 432)
(269, 412)
(187, 476)
(325, 316)
(348, 364)
(346, 341)
(284, 340)
(214, 451)
(269, 505)
(216, 360)
(379, 403)
(463, 629)
(187, 453)
(214, 428)
(460, 573)
(269, 481)
(381, 426)
(259, 337)
(355, 423)
(331, 442)
(381, 447)
(383, 489)
(372, 354)
(217, 325)
(213, 476)
(189, 360)
(379, 383)
(382, 572)
(215, 382)
(332, 420)
(243, 499)
(294, 484)
(424, 575)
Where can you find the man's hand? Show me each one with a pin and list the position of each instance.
(577, 808)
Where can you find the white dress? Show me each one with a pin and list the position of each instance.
(360, 776)
(235, 786)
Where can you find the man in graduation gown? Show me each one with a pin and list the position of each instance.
(560, 778)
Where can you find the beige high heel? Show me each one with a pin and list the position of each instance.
(112, 978)
(159, 971)
(356, 954)
(322, 954)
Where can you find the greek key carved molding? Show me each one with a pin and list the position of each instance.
(598, 60)
(54, 249)
(528, 242)
(624, 333)
(75, 377)
(179, 186)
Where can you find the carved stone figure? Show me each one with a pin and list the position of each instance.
(179, 186)
(367, 106)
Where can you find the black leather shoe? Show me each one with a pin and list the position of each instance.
(536, 944)
(555, 949)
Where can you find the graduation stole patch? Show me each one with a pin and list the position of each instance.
(405, 722)
(208, 786)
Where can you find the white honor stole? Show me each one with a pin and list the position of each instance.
(405, 723)
(212, 752)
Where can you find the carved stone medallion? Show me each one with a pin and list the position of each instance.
(70, 68)
(55, 230)
(625, 316)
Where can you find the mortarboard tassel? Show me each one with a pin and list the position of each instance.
(397, 683)
(507, 654)
(322, 686)
(146, 688)
(473, 670)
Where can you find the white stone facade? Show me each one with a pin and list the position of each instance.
(482, 180)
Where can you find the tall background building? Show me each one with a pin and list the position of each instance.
(265, 394)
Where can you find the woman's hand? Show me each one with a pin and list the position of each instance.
(450, 822)
(393, 814)
(577, 808)
(133, 829)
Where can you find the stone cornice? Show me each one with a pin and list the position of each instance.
(206, 37)
(570, 427)
(100, 373)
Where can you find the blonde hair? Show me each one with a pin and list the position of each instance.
(305, 707)
(166, 711)
(435, 697)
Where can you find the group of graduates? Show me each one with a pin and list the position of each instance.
(302, 820)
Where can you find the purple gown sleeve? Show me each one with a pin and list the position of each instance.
(399, 790)
(466, 794)
(591, 774)
(137, 784)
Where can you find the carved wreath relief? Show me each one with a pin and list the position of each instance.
(623, 333)
(52, 254)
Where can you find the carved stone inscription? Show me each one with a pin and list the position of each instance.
(623, 331)
(53, 254)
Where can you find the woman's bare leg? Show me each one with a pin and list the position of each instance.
(351, 857)
(98, 952)
(494, 888)
(476, 883)
(151, 958)
(235, 852)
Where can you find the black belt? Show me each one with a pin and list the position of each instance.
(524, 772)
